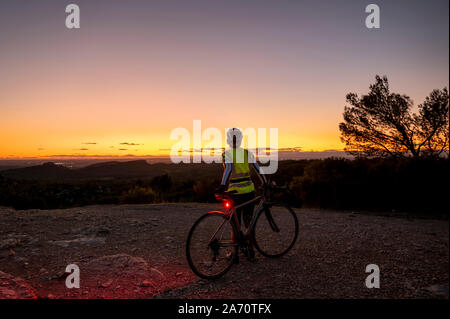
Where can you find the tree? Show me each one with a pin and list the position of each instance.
(381, 124)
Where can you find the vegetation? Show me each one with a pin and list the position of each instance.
(138, 195)
(381, 124)
(380, 184)
(370, 184)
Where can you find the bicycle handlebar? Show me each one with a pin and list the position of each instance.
(274, 186)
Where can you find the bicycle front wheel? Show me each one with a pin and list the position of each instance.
(210, 249)
(276, 230)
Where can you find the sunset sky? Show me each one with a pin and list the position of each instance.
(135, 70)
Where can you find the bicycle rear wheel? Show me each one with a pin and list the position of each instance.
(210, 250)
(276, 230)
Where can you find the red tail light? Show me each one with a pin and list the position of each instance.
(226, 204)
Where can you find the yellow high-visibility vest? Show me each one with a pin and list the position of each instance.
(240, 180)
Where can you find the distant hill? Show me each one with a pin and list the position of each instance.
(113, 170)
(4, 168)
(106, 170)
(134, 169)
(46, 171)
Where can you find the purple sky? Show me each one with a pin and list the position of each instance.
(137, 69)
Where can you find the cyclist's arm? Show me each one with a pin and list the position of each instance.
(254, 162)
(261, 176)
(226, 173)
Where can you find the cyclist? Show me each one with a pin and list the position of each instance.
(236, 173)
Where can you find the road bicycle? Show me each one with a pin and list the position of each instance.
(214, 241)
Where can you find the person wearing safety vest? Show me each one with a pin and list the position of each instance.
(236, 174)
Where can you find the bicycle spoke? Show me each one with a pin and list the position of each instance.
(276, 231)
(209, 246)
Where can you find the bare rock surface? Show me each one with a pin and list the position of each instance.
(138, 251)
(15, 288)
(119, 276)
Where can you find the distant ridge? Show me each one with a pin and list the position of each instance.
(112, 170)
(45, 171)
(105, 170)
(117, 169)
(136, 163)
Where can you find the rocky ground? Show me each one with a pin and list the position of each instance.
(138, 251)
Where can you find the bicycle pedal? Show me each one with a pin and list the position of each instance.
(235, 258)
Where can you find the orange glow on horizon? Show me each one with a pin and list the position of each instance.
(135, 71)
(119, 147)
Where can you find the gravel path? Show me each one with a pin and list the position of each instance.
(328, 260)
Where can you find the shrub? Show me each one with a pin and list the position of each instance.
(138, 195)
(204, 190)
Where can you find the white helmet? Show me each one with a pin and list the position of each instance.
(234, 132)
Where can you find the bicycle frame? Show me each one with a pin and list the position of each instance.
(258, 210)
(242, 240)
(231, 217)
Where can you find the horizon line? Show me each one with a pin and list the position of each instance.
(283, 151)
